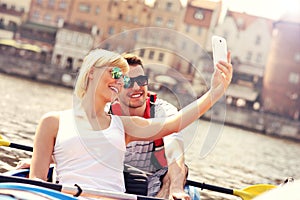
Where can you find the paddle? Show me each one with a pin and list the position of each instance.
(247, 193)
(7, 143)
(76, 190)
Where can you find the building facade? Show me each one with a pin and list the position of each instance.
(281, 90)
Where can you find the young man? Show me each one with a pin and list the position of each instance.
(162, 160)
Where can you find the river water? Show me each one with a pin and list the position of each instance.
(240, 158)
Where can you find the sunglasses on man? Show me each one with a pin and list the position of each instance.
(116, 73)
(140, 80)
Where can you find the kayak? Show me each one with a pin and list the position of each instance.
(15, 184)
(11, 191)
(21, 185)
(25, 173)
(24, 191)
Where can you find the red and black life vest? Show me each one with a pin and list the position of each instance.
(158, 158)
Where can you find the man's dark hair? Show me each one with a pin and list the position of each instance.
(133, 59)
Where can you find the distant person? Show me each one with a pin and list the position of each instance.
(87, 144)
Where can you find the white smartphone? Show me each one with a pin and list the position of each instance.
(219, 47)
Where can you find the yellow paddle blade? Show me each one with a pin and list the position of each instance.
(250, 192)
(4, 143)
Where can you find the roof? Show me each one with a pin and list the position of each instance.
(242, 92)
(289, 18)
(18, 45)
(41, 27)
(74, 27)
(210, 5)
(247, 19)
(11, 11)
(250, 69)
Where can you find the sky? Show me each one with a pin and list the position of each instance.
(272, 9)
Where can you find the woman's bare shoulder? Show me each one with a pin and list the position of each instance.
(51, 116)
(50, 121)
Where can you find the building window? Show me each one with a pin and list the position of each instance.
(97, 10)
(169, 6)
(249, 56)
(240, 22)
(120, 16)
(47, 17)
(39, 2)
(199, 32)
(199, 15)
(111, 30)
(59, 18)
(294, 78)
(51, 3)
(187, 28)
(259, 58)
(107, 46)
(161, 57)
(2, 23)
(84, 8)
(151, 55)
(79, 39)
(241, 102)
(297, 57)
(58, 60)
(69, 64)
(258, 40)
(135, 36)
(135, 20)
(128, 18)
(225, 34)
(142, 53)
(62, 5)
(170, 23)
(158, 21)
(36, 15)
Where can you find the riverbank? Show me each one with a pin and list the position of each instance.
(264, 123)
(36, 70)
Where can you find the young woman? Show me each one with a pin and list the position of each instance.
(87, 144)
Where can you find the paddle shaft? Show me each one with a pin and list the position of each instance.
(21, 147)
(6, 143)
(75, 190)
(210, 187)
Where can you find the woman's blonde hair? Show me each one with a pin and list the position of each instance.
(97, 58)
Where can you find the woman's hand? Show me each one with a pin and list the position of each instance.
(222, 76)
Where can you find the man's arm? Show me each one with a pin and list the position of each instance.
(177, 171)
(174, 180)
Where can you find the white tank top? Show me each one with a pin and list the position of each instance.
(91, 159)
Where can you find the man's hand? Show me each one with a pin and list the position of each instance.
(178, 193)
(172, 190)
